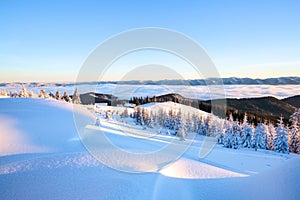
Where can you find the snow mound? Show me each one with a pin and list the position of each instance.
(190, 169)
(166, 106)
(37, 126)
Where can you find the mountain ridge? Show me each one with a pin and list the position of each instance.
(258, 109)
(291, 80)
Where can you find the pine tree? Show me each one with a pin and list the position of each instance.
(281, 140)
(294, 141)
(210, 126)
(228, 133)
(202, 128)
(76, 97)
(13, 94)
(147, 118)
(125, 113)
(31, 94)
(43, 94)
(97, 122)
(236, 139)
(221, 139)
(66, 97)
(51, 95)
(179, 126)
(246, 133)
(178, 122)
(4, 93)
(195, 123)
(189, 123)
(151, 122)
(168, 132)
(271, 133)
(259, 137)
(57, 95)
(181, 133)
(161, 117)
(139, 116)
(23, 92)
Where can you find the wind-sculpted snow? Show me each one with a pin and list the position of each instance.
(42, 157)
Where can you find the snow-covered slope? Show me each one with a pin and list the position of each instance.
(42, 157)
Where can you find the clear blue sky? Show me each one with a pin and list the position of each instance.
(49, 40)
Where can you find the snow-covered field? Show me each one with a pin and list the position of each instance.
(197, 92)
(42, 157)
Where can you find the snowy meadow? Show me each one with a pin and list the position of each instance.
(56, 148)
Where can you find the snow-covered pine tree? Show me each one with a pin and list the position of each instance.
(219, 129)
(13, 94)
(294, 141)
(208, 125)
(181, 133)
(57, 95)
(147, 118)
(139, 116)
(76, 97)
(172, 120)
(66, 97)
(236, 139)
(167, 120)
(125, 113)
(178, 122)
(4, 93)
(265, 129)
(23, 93)
(222, 134)
(51, 95)
(259, 140)
(195, 123)
(189, 123)
(151, 122)
(31, 94)
(215, 127)
(271, 133)
(43, 94)
(228, 132)
(179, 126)
(281, 140)
(160, 117)
(202, 129)
(97, 121)
(246, 133)
(107, 115)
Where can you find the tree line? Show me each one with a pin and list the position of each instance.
(218, 108)
(229, 132)
(75, 98)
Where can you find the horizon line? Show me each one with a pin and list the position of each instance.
(151, 81)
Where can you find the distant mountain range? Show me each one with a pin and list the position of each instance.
(209, 81)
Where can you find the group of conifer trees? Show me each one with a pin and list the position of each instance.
(43, 94)
(230, 133)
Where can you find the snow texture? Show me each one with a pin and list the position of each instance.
(42, 157)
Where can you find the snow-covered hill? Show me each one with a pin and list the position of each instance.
(42, 157)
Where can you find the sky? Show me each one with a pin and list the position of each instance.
(49, 41)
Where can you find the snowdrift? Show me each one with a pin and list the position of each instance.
(42, 157)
